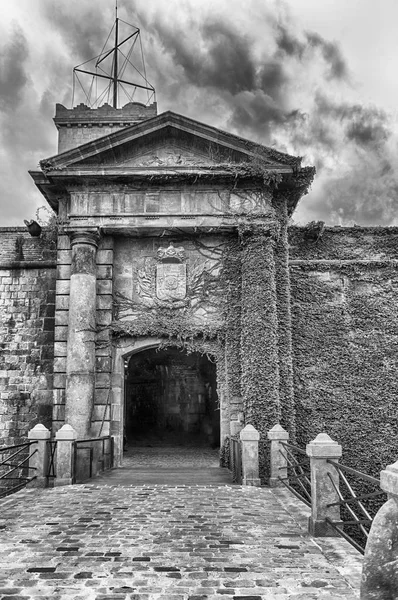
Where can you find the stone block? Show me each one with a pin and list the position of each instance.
(59, 412)
(104, 257)
(59, 380)
(61, 334)
(103, 363)
(60, 348)
(63, 272)
(104, 271)
(63, 242)
(62, 287)
(102, 380)
(99, 411)
(61, 317)
(104, 302)
(60, 364)
(59, 396)
(105, 350)
(103, 317)
(64, 257)
(104, 286)
(62, 303)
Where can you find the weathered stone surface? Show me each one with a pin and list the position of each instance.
(324, 481)
(380, 575)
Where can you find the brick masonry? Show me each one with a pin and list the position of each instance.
(27, 302)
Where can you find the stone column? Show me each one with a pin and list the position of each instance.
(39, 461)
(80, 360)
(259, 337)
(322, 489)
(379, 572)
(65, 438)
(249, 438)
(278, 461)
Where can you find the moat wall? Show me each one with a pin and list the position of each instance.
(345, 341)
(345, 335)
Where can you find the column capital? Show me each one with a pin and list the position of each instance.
(256, 228)
(89, 236)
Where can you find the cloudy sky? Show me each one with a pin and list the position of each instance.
(315, 78)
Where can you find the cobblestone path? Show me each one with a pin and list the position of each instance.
(175, 542)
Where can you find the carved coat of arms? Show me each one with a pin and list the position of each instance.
(171, 274)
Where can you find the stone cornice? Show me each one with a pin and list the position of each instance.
(169, 119)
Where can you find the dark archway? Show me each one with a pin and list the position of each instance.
(171, 398)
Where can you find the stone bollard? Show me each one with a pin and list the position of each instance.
(322, 489)
(39, 461)
(278, 461)
(379, 571)
(249, 438)
(65, 438)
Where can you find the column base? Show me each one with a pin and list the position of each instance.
(251, 482)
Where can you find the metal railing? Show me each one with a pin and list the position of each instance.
(91, 456)
(298, 479)
(356, 518)
(51, 459)
(14, 467)
(235, 460)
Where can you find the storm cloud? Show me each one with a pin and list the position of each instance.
(261, 76)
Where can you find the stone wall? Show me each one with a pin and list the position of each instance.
(345, 341)
(27, 296)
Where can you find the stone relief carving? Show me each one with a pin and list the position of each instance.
(169, 157)
(166, 280)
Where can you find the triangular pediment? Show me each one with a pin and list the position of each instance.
(167, 140)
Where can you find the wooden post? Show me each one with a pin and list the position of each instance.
(249, 438)
(323, 492)
(278, 461)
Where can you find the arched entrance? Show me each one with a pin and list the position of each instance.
(171, 399)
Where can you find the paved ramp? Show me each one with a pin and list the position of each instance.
(169, 542)
(190, 465)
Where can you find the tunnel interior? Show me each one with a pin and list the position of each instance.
(171, 398)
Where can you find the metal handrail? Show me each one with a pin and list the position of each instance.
(19, 463)
(364, 519)
(51, 453)
(82, 445)
(299, 475)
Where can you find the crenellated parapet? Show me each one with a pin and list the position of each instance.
(82, 124)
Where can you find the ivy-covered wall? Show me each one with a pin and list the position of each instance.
(344, 293)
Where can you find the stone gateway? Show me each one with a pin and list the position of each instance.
(172, 298)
